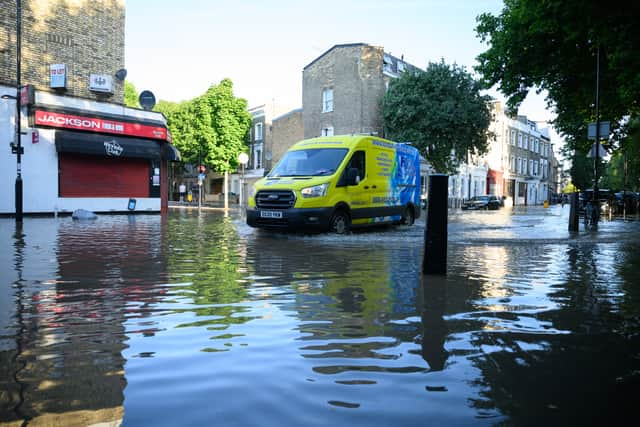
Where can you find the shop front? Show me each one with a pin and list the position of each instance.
(81, 154)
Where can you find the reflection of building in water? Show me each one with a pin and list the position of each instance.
(70, 335)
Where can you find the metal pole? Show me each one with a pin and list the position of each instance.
(596, 204)
(241, 201)
(18, 187)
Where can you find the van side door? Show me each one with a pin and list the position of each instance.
(354, 180)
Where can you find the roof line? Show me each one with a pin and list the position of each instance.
(330, 49)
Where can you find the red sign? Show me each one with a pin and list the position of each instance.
(91, 124)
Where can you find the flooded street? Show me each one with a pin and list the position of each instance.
(197, 319)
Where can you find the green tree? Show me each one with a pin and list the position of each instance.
(553, 45)
(130, 95)
(211, 129)
(624, 167)
(441, 112)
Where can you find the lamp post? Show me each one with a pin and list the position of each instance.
(16, 147)
(243, 159)
(596, 202)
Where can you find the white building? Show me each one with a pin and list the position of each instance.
(83, 154)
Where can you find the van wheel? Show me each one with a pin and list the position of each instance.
(340, 222)
(409, 217)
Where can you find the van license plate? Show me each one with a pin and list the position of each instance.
(270, 214)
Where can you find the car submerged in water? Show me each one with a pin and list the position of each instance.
(482, 203)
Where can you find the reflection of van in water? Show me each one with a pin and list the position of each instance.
(336, 182)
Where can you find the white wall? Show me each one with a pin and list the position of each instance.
(40, 167)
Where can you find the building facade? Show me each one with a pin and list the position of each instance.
(342, 89)
(64, 44)
(519, 159)
(82, 148)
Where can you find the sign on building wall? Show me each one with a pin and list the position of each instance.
(101, 83)
(92, 124)
(58, 75)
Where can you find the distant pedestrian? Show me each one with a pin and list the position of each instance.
(588, 213)
(183, 189)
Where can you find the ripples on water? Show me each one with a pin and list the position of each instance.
(198, 319)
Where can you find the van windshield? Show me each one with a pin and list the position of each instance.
(310, 162)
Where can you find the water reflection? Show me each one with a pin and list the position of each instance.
(180, 321)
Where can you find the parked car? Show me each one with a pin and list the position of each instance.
(482, 203)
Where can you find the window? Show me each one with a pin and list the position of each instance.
(258, 159)
(327, 100)
(513, 138)
(357, 161)
(519, 167)
(520, 140)
(328, 131)
(512, 164)
(524, 166)
(258, 132)
(525, 143)
(531, 167)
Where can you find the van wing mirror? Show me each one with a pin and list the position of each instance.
(352, 176)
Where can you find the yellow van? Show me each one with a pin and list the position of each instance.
(333, 183)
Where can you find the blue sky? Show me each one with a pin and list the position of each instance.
(177, 48)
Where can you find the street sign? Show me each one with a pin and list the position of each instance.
(604, 130)
(601, 151)
(201, 177)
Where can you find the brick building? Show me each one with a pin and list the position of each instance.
(82, 147)
(342, 89)
(85, 36)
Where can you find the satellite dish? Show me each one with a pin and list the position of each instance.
(147, 100)
(121, 74)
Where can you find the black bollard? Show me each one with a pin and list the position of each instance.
(435, 233)
(574, 222)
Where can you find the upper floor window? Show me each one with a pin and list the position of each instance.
(258, 159)
(258, 132)
(327, 100)
(520, 140)
(513, 137)
(328, 131)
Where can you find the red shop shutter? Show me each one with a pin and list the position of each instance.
(95, 176)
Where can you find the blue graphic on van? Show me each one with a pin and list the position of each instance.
(404, 178)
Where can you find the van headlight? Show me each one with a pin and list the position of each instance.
(315, 191)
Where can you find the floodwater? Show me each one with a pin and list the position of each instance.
(197, 319)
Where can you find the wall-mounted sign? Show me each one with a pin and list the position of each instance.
(101, 83)
(27, 95)
(91, 124)
(58, 76)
